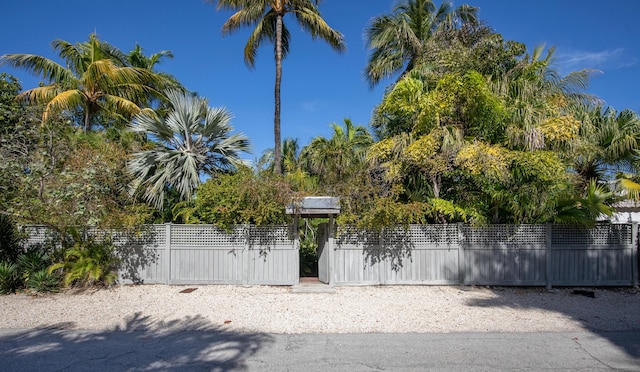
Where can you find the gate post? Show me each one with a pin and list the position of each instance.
(382, 265)
(462, 267)
(245, 255)
(296, 249)
(333, 275)
(547, 252)
(167, 252)
(634, 254)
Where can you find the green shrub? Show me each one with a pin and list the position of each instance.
(88, 263)
(10, 247)
(239, 198)
(9, 278)
(44, 281)
(32, 271)
(30, 262)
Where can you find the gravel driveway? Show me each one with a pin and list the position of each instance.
(421, 309)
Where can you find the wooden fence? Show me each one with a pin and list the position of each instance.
(201, 254)
(508, 255)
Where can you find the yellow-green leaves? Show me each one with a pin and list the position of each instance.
(405, 99)
(464, 101)
(481, 159)
(560, 130)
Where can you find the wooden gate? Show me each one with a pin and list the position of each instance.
(323, 253)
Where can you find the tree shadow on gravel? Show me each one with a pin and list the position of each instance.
(612, 313)
(192, 343)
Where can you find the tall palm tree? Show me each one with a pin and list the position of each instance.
(397, 40)
(268, 18)
(137, 58)
(334, 159)
(291, 159)
(95, 79)
(193, 141)
(295, 164)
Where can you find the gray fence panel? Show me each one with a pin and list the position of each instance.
(601, 256)
(275, 267)
(579, 266)
(424, 266)
(433, 254)
(354, 268)
(505, 266)
(214, 265)
(154, 272)
(36, 234)
(138, 250)
(356, 258)
(141, 253)
(505, 254)
(426, 254)
(323, 253)
(272, 257)
(205, 254)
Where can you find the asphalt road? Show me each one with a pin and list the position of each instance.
(214, 350)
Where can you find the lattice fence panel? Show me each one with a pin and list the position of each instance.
(157, 232)
(349, 236)
(602, 234)
(206, 235)
(423, 235)
(495, 236)
(270, 236)
(36, 234)
(97, 234)
(145, 236)
(150, 235)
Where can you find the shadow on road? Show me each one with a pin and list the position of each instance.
(191, 343)
(607, 312)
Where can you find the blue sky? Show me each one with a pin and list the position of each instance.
(319, 86)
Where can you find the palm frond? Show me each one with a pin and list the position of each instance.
(40, 95)
(194, 139)
(39, 66)
(66, 100)
(397, 40)
(311, 20)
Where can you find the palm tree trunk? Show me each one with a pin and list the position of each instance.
(277, 153)
(87, 119)
(436, 184)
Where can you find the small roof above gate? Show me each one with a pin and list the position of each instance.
(315, 207)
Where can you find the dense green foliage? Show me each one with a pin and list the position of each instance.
(242, 197)
(475, 129)
(20, 268)
(67, 178)
(88, 262)
(500, 139)
(10, 247)
(9, 277)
